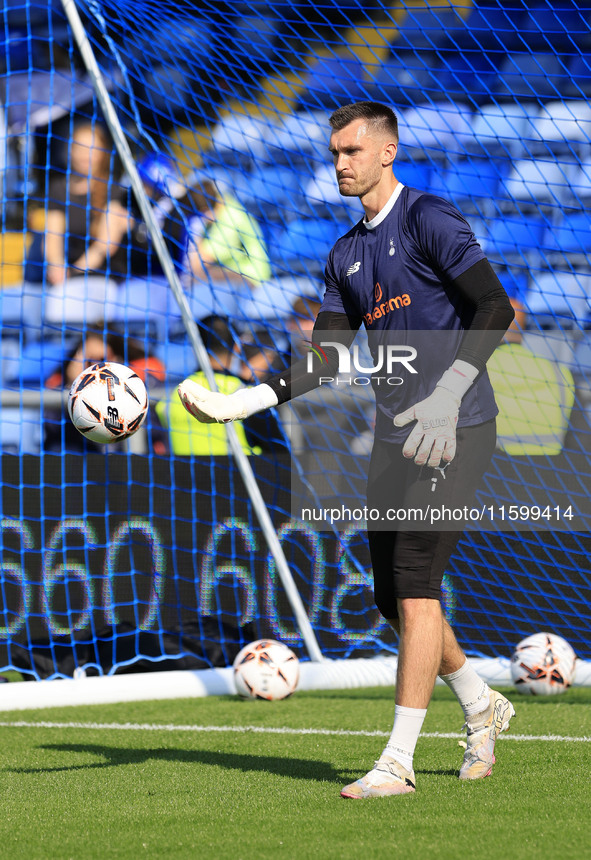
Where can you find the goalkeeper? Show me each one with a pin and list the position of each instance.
(411, 265)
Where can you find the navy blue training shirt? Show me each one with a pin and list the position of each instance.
(395, 273)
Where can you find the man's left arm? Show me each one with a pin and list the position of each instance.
(433, 439)
(493, 313)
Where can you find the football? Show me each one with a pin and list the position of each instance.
(266, 669)
(543, 665)
(108, 402)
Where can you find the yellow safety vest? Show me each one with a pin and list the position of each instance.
(535, 397)
(190, 437)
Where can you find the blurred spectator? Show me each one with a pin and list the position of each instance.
(225, 242)
(261, 356)
(326, 422)
(95, 346)
(535, 395)
(168, 196)
(86, 221)
(209, 236)
(257, 434)
(301, 323)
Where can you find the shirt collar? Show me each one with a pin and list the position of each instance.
(385, 211)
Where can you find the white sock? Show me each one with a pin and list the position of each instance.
(472, 692)
(408, 723)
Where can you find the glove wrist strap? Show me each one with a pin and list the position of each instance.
(256, 399)
(458, 378)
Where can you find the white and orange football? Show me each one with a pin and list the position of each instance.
(108, 402)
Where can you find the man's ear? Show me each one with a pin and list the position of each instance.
(389, 154)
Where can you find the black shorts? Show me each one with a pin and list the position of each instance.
(411, 561)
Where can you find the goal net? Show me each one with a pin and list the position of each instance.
(149, 554)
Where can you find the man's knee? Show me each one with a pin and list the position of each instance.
(417, 609)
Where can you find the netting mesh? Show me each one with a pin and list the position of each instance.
(151, 551)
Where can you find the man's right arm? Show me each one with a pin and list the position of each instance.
(304, 375)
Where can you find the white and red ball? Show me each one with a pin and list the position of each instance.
(108, 402)
(266, 669)
(543, 665)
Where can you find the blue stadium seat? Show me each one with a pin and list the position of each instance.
(563, 128)
(255, 37)
(537, 183)
(218, 298)
(81, 300)
(531, 76)
(191, 67)
(436, 132)
(34, 365)
(409, 77)
(467, 77)
(414, 174)
(515, 281)
(333, 81)
(428, 29)
(305, 244)
(471, 184)
(514, 240)
(580, 184)
(239, 140)
(489, 30)
(20, 311)
(274, 299)
(143, 305)
(20, 431)
(303, 135)
(10, 351)
(571, 237)
(271, 192)
(561, 294)
(503, 129)
(548, 28)
(578, 85)
(230, 178)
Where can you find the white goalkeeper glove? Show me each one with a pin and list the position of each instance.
(433, 439)
(211, 407)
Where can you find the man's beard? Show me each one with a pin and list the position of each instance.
(359, 188)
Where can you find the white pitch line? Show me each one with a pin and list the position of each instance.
(282, 730)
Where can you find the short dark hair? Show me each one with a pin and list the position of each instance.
(202, 196)
(216, 334)
(374, 112)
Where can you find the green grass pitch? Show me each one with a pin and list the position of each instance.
(90, 788)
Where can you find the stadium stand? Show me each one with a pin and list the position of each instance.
(524, 76)
(472, 183)
(493, 106)
(562, 128)
(537, 184)
(579, 78)
(503, 130)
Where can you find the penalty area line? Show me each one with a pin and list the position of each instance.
(270, 730)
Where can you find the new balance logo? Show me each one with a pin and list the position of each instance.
(354, 268)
